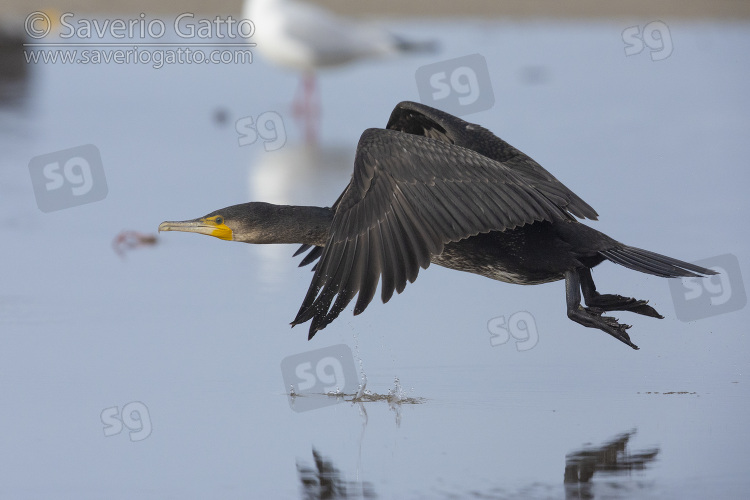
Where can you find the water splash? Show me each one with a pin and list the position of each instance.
(397, 394)
(336, 393)
(361, 391)
(363, 376)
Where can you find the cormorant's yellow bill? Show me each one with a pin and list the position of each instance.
(212, 226)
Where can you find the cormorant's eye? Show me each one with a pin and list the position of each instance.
(220, 220)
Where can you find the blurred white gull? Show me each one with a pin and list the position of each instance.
(306, 37)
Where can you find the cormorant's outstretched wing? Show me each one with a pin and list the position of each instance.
(418, 119)
(316, 251)
(408, 197)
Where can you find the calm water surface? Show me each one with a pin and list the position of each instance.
(158, 373)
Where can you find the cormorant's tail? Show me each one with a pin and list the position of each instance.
(653, 263)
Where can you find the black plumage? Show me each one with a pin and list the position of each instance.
(433, 188)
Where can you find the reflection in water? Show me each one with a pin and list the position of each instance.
(610, 458)
(296, 175)
(324, 481)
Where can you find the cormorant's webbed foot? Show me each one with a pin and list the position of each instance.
(611, 302)
(620, 303)
(592, 317)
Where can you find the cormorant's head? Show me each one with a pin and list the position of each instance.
(246, 222)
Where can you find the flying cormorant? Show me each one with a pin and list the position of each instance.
(433, 188)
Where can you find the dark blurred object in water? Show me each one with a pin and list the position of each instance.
(13, 68)
(610, 458)
(535, 75)
(324, 481)
(130, 240)
(221, 116)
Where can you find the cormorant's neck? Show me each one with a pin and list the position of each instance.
(286, 224)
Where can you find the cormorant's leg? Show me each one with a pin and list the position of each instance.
(590, 318)
(610, 302)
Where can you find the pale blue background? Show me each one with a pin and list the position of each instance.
(195, 328)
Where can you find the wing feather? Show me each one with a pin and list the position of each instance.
(418, 119)
(408, 197)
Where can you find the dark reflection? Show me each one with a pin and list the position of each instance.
(324, 481)
(13, 68)
(610, 458)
